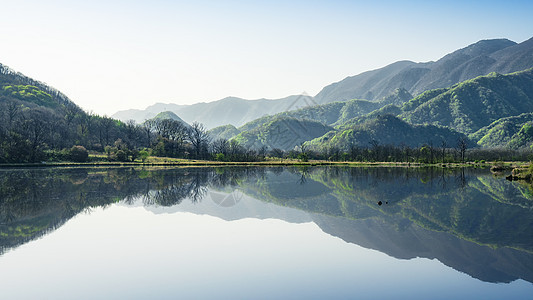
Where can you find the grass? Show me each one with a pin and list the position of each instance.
(101, 160)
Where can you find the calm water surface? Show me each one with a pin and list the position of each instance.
(264, 233)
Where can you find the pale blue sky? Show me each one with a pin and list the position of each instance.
(113, 55)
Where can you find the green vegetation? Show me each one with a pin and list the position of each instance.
(475, 103)
(282, 133)
(224, 132)
(513, 132)
(28, 93)
(446, 125)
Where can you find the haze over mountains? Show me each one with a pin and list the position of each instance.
(404, 103)
(500, 55)
(481, 58)
(230, 110)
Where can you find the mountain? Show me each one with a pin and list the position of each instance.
(331, 114)
(165, 115)
(386, 130)
(16, 86)
(282, 133)
(39, 123)
(230, 110)
(481, 58)
(513, 132)
(399, 80)
(456, 111)
(223, 132)
(475, 103)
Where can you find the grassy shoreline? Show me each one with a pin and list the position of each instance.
(205, 163)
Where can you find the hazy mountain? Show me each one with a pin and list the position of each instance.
(335, 113)
(398, 81)
(223, 132)
(230, 110)
(170, 115)
(481, 58)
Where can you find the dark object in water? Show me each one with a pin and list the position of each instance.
(379, 203)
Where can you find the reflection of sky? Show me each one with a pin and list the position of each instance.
(129, 252)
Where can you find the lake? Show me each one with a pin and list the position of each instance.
(264, 233)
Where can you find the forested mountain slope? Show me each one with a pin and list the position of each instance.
(499, 55)
(475, 103)
(386, 130)
(513, 132)
(35, 117)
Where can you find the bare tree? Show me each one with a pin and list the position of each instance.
(147, 128)
(462, 145)
(199, 139)
(443, 150)
(221, 146)
(12, 113)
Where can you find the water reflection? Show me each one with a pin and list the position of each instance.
(467, 219)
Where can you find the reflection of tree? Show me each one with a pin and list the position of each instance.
(468, 203)
(192, 186)
(482, 209)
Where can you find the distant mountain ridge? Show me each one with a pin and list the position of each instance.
(486, 56)
(230, 110)
(440, 115)
(481, 58)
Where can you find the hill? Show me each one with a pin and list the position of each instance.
(335, 113)
(37, 122)
(386, 130)
(17, 86)
(475, 103)
(399, 80)
(223, 132)
(513, 132)
(165, 115)
(481, 58)
(282, 133)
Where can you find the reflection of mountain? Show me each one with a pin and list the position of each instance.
(439, 200)
(482, 262)
(216, 203)
(468, 220)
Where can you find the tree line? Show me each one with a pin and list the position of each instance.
(34, 133)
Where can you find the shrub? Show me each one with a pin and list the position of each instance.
(121, 155)
(79, 154)
(143, 155)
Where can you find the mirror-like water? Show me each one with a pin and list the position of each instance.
(367, 233)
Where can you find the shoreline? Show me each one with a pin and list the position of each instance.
(202, 163)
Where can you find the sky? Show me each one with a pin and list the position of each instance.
(111, 55)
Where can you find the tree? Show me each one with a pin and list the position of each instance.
(443, 150)
(143, 155)
(199, 139)
(220, 146)
(462, 145)
(35, 128)
(104, 125)
(147, 128)
(12, 112)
